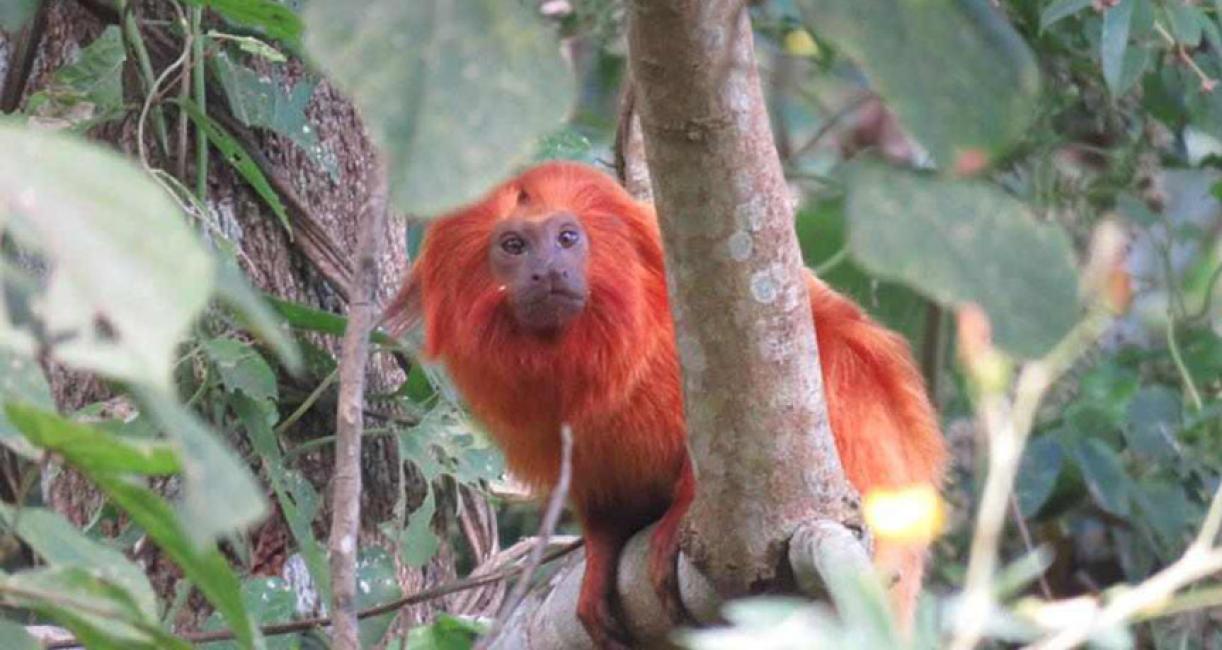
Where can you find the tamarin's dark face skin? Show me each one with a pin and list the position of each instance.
(541, 262)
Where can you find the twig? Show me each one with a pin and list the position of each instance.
(199, 77)
(309, 402)
(1008, 425)
(21, 61)
(131, 34)
(831, 121)
(555, 504)
(1201, 560)
(422, 596)
(346, 485)
(1189, 385)
(1028, 541)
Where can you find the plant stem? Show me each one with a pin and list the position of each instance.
(200, 78)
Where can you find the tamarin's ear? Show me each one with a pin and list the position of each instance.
(405, 312)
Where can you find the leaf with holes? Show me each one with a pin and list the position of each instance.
(454, 93)
(241, 162)
(243, 370)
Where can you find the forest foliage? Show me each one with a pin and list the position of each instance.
(1028, 129)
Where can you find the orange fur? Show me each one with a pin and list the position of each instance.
(614, 376)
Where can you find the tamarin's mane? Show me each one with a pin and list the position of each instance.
(612, 374)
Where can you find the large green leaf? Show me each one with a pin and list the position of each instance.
(206, 567)
(21, 380)
(127, 275)
(100, 614)
(453, 92)
(958, 242)
(61, 544)
(90, 448)
(954, 71)
(14, 637)
(219, 493)
(269, 16)
(15, 13)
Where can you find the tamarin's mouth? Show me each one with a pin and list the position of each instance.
(547, 312)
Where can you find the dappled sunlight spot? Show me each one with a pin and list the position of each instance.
(907, 515)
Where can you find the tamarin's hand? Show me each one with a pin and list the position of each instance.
(546, 302)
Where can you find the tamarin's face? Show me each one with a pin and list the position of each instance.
(540, 261)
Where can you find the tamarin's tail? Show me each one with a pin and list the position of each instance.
(874, 388)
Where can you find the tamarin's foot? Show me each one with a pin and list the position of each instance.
(664, 574)
(597, 616)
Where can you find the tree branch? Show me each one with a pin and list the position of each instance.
(346, 485)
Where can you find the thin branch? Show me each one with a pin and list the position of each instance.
(1025, 532)
(346, 485)
(555, 505)
(831, 121)
(422, 596)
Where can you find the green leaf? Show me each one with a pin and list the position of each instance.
(21, 380)
(127, 275)
(273, 18)
(1186, 23)
(235, 291)
(376, 574)
(1168, 513)
(454, 93)
(565, 144)
(1059, 10)
(1113, 43)
(1153, 418)
(206, 567)
(243, 370)
(304, 317)
(61, 544)
(954, 71)
(89, 91)
(296, 497)
(219, 493)
(99, 613)
(261, 100)
(1104, 475)
(268, 601)
(89, 448)
(445, 633)
(14, 14)
(241, 162)
(959, 242)
(1037, 474)
(13, 635)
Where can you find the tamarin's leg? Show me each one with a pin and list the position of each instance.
(597, 604)
(664, 546)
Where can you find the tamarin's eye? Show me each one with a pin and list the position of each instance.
(513, 244)
(568, 238)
